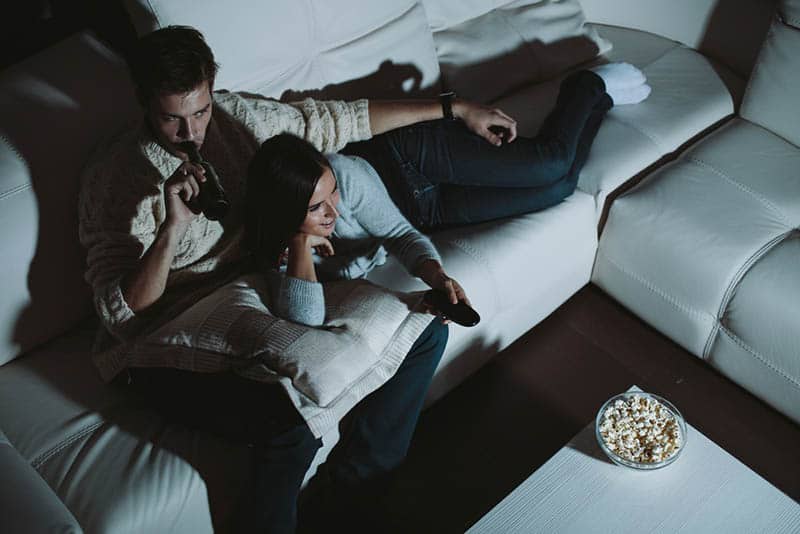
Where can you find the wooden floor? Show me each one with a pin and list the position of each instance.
(485, 437)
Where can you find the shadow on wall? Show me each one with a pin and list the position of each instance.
(390, 81)
(487, 78)
(53, 118)
(734, 33)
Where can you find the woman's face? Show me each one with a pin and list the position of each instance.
(321, 215)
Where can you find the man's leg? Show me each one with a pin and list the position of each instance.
(245, 411)
(447, 152)
(463, 205)
(413, 161)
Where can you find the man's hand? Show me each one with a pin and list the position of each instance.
(180, 189)
(490, 123)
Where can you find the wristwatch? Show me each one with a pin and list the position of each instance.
(446, 100)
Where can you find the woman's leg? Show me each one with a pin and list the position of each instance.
(463, 205)
(382, 424)
(375, 441)
(245, 411)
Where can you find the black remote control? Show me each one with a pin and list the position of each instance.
(502, 131)
(460, 313)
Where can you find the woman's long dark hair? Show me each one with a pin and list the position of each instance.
(280, 181)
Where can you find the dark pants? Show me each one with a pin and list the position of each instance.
(440, 174)
(260, 414)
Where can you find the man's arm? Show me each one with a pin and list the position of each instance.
(145, 285)
(385, 115)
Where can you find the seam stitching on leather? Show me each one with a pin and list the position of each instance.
(763, 200)
(469, 250)
(473, 253)
(18, 189)
(663, 54)
(43, 458)
(672, 300)
(747, 348)
(643, 132)
(734, 283)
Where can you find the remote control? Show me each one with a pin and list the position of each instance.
(460, 313)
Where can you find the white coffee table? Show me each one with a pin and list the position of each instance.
(705, 491)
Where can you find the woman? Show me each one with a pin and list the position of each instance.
(329, 218)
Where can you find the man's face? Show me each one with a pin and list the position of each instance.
(177, 118)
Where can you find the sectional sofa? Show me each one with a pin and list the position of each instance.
(687, 212)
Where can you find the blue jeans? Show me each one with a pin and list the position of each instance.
(260, 414)
(440, 174)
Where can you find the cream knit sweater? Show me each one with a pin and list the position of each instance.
(121, 204)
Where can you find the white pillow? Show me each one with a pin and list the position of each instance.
(514, 45)
(326, 370)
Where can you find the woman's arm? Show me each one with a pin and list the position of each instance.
(296, 295)
(373, 208)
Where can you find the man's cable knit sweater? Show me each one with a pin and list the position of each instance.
(122, 205)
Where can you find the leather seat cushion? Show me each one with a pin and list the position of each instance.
(689, 95)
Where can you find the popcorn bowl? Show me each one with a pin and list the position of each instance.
(622, 456)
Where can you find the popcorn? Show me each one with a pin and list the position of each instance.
(641, 429)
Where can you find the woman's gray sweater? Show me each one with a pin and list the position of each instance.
(368, 226)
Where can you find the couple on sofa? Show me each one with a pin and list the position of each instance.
(299, 217)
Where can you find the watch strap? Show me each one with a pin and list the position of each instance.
(446, 99)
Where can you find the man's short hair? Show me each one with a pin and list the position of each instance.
(171, 60)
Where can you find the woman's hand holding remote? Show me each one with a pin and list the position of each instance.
(432, 273)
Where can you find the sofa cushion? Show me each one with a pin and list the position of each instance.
(677, 246)
(486, 54)
(324, 50)
(728, 31)
(689, 95)
(515, 271)
(771, 97)
(54, 109)
(757, 344)
(116, 467)
(790, 12)
(27, 504)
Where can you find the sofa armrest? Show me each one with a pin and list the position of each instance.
(27, 504)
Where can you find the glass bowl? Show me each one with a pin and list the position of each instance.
(619, 460)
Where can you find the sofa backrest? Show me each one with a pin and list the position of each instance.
(730, 31)
(54, 109)
(324, 49)
(487, 48)
(771, 96)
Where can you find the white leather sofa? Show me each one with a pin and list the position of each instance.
(705, 247)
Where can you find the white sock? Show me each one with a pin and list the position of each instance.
(619, 76)
(630, 95)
